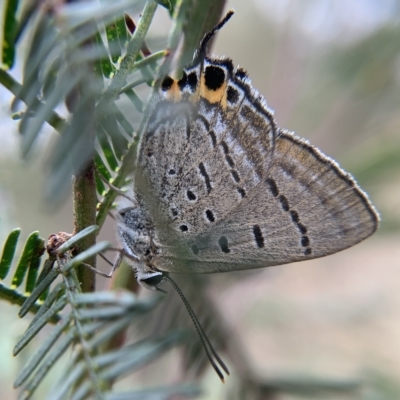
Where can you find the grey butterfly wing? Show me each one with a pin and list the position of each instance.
(228, 192)
(304, 207)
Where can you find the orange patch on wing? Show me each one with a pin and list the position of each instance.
(174, 93)
(214, 96)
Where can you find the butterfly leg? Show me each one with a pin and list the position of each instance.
(115, 265)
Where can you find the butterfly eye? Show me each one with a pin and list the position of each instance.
(153, 280)
(125, 210)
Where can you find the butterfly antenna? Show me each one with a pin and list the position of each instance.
(209, 35)
(202, 335)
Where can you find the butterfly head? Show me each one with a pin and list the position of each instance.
(150, 280)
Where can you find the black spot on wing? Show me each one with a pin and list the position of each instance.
(195, 250)
(295, 216)
(225, 147)
(229, 160)
(214, 77)
(166, 83)
(240, 73)
(235, 175)
(241, 191)
(192, 81)
(210, 215)
(232, 95)
(206, 177)
(284, 202)
(305, 241)
(223, 243)
(302, 229)
(272, 187)
(183, 228)
(213, 138)
(190, 195)
(258, 236)
(183, 81)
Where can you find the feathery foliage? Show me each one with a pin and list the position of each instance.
(85, 56)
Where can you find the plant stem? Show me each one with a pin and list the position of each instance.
(85, 200)
(128, 62)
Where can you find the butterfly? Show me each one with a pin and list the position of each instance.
(219, 187)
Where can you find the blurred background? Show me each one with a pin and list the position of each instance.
(331, 71)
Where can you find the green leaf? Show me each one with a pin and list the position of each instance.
(100, 187)
(135, 99)
(123, 121)
(101, 168)
(13, 296)
(103, 336)
(107, 148)
(122, 298)
(9, 32)
(115, 364)
(103, 171)
(44, 368)
(148, 70)
(150, 61)
(8, 252)
(123, 34)
(29, 10)
(43, 39)
(159, 393)
(30, 127)
(24, 261)
(50, 79)
(114, 43)
(135, 83)
(47, 267)
(54, 295)
(16, 89)
(104, 65)
(67, 384)
(43, 350)
(133, 357)
(119, 142)
(34, 265)
(39, 289)
(74, 148)
(33, 329)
